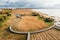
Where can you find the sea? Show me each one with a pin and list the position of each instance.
(50, 12)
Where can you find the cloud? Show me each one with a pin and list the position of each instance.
(30, 3)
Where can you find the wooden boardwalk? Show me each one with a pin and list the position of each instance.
(52, 34)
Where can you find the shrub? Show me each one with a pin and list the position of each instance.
(34, 14)
(1, 19)
(8, 14)
(1, 12)
(4, 17)
(48, 20)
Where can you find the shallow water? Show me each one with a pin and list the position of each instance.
(51, 12)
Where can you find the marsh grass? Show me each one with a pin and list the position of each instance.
(48, 23)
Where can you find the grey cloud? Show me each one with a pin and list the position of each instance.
(25, 4)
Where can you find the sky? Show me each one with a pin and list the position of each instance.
(49, 4)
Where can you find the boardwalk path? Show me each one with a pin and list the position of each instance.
(51, 34)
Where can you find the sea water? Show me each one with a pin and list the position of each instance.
(51, 12)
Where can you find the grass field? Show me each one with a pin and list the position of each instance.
(27, 23)
(48, 23)
(1, 22)
(31, 23)
(6, 34)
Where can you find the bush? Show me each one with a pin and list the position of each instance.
(34, 14)
(1, 19)
(48, 20)
(8, 14)
(1, 12)
(4, 17)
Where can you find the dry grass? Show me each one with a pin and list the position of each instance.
(29, 23)
(22, 11)
(5, 33)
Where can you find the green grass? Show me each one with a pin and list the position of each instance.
(48, 23)
(1, 22)
(40, 18)
(1, 15)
